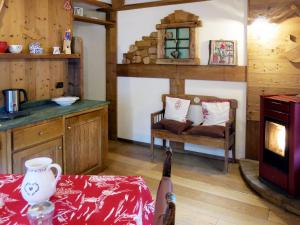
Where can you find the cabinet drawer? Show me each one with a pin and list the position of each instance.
(30, 136)
(52, 149)
(83, 118)
(277, 106)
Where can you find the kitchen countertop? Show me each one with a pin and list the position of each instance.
(44, 110)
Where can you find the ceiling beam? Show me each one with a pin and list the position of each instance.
(155, 4)
(101, 5)
(118, 4)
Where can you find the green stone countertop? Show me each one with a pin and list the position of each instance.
(44, 110)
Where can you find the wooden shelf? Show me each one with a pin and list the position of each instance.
(37, 56)
(93, 20)
(217, 73)
(103, 6)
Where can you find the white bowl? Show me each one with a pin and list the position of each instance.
(15, 48)
(65, 101)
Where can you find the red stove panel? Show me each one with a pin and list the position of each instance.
(280, 142)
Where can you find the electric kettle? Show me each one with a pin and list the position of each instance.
(12, 99)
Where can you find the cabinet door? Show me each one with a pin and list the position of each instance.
(83, 140)
(51, 149)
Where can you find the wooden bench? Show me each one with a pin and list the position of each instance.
(227, 143)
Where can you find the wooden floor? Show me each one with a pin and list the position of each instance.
(204, 194)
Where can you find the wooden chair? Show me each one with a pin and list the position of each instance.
(165, 199)
(227, 143)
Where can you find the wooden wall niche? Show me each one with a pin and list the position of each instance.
(170, 39)
(269, 70)
(45, 21)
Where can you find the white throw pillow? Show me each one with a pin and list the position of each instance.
(215, 113)
(176, 109)
(195, 114)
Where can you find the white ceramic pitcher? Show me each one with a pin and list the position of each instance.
(39, 183)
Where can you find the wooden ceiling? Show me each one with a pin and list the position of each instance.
(122, 6)
(276, 11)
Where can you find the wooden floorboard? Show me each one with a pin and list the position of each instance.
(205, 195)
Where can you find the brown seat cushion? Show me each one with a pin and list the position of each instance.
(214, 131)
(157, 126)
(175, 126)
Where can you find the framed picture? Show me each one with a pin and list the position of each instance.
(78, 11)
(223, 52)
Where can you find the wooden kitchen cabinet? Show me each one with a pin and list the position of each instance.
(52, 149)
(77, 141)
(85, 142)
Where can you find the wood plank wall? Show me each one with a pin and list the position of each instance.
(26, 21)
(269, 71)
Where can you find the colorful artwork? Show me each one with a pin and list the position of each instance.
(223, 52)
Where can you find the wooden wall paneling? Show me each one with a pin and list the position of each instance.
(269, 70)
(4, 77)
(111, 72)
(275, 10)
(31, 84)
(59, 21)
(75, 81)
(12, 21)
(252, 139)
(22, 22)
(73, 78)
(42, 79)
(57, 73)
(37, 23)
(17, 74)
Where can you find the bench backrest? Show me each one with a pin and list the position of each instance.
(197, 99)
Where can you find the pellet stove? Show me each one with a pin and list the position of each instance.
(280, 142)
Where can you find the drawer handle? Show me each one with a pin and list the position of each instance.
(41, 133)
(59, 148)
(69, 128)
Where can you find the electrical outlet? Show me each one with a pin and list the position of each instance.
(59, 85)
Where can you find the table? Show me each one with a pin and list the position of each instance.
(99, 200)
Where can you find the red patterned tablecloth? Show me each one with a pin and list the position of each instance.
(99, 200)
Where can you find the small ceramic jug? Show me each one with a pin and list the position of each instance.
(56, 50)
(39, 183)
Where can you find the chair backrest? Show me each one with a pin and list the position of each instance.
(198, 99)
(167, 164)
(164, 213)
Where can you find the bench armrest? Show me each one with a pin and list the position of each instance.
(229, 127)
(229, 123)
(157, 116)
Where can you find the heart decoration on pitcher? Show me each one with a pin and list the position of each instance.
(31, 189)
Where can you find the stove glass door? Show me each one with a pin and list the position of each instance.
(275, 138)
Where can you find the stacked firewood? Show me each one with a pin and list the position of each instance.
(142, 52)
